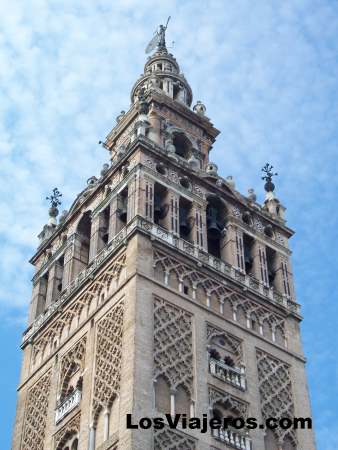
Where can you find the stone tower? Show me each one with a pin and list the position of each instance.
(162, 290)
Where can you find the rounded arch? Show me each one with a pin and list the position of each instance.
(182, 142)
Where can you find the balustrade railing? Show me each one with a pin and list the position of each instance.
(71, 402)
(233, 438)
(78, 281)
(229, 374)
(204, 257)
(171, 239)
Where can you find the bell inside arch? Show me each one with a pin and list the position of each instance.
(214, 225)
(185, 225)
(160, 208)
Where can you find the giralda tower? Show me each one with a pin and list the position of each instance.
(162, 290)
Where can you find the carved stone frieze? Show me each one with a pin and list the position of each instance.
(36, 409)
(108, 359)
(173, 355)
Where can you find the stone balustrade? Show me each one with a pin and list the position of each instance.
(205, 258)
(230, 375)
(75, 284)
(157, 232)
(71, 402)
(233, 438)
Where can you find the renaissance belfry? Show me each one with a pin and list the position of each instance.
(162, 290)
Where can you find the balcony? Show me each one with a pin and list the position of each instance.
(203, 257)
(75, 284)
(231, 375)
(157, 232)
(71, 402)
(232, 438)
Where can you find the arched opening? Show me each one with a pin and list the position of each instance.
(271, 261)
(224, 360)
(69, 442)
(122, 209)
(182, 145)
(216, 218)
(182, 401)
(71, 382)
(225, 412)
(161, 205)
(248, 244)
(186, 219)
(84, 233)
(162, 395)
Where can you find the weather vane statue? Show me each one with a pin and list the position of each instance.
(269, 185)
(159, 38)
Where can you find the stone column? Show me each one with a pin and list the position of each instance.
(68, 261)
(132, 198)
(283, 276)
(91, 445)
(113, 219)
(146, 198)
(232, 250)
(106, 425)
(199, 231)
(55, 275)
(38, 301)
(155, 127)
(260, 269)
(94, 237)
(79, 259)
(171, 221)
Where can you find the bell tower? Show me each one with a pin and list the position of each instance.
(162, 290)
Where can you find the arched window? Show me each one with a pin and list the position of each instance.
(70, 441)
(248, 244)
(182, 401)
(271, 261)
(216, 217)
(122, 209)
(182, 145)
(186, 219)
(162, 395)
(161, 205)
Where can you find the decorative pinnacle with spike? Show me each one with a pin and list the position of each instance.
(267, 169)
(54, 198)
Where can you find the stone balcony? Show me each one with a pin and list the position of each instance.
(200, 256)
(75, 284)
(232, 438)
(232, 375)
(204, 258)
(71, 402)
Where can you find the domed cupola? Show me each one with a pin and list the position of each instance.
(162, 73)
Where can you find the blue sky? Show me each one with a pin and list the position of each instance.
(267, 73)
